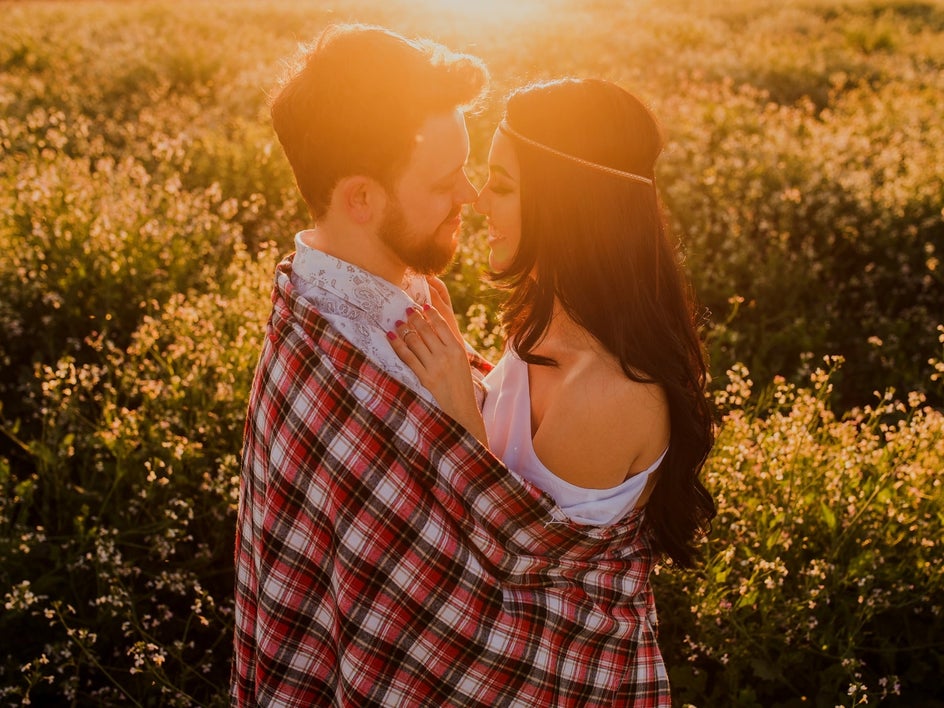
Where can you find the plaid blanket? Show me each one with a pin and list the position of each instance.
(385, 558)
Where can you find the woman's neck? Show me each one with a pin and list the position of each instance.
(565, 339)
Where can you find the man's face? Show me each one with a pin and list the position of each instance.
(421, 223)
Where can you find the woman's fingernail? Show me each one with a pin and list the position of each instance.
(410, 311)
(426, 306)
(398, 323)
(391, 336)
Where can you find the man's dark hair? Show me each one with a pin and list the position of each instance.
(358, 100)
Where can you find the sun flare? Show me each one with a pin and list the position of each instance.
(488, 11)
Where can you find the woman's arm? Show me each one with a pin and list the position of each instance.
(437, 355)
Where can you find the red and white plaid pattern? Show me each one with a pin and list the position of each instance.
(385, 558)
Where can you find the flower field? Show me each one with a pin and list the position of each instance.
(144, 202)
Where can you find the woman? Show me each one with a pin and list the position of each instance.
(599, 398)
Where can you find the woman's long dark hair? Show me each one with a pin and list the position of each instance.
(599, 244)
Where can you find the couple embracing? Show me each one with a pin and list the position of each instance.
(417, 527)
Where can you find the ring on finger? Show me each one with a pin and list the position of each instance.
(407, 331)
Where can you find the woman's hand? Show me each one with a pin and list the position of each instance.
(437, 355)
(439, 296)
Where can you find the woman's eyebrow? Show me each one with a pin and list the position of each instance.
(502, 171)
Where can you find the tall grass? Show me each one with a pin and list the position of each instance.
(144, 202)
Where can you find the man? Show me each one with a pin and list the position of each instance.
(374, 130)
(383, 556)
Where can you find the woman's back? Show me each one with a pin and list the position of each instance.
(578, 432)
(591, 425)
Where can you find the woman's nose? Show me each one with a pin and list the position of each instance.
(467, 191)
(481, 202)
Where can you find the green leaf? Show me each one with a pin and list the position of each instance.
(829, 516)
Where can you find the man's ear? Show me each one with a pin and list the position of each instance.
(363, 199)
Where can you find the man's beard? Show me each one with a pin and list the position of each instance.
(422, 254)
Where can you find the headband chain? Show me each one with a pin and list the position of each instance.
(508, 130)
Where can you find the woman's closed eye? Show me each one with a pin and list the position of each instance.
(499, 188)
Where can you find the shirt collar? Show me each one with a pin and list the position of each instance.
(382, 301)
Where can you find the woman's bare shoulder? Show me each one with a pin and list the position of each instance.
(601, 426)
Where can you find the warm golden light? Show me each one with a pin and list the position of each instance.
(503, 12)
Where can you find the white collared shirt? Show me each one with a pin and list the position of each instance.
(362, 306)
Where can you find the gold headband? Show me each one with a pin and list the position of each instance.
(508, 130)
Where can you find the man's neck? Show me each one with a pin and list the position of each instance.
(358, 248)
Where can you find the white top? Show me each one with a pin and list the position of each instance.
(362, 306)
(507, 414)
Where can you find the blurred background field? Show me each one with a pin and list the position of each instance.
(144, 202)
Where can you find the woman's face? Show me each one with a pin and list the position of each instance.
(500, 201)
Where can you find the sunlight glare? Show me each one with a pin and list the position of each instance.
(503, 12)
